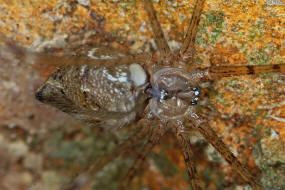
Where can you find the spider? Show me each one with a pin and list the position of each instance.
(129, 88)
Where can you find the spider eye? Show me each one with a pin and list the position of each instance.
(194, 101)
(163, 94)
(196, 91)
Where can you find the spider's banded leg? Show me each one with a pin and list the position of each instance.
(123, 147)
(196, 76)
(210, 135)
(187, 50)
(46, 61)
(185, 146)
(153, 140)
(216, 72)
(42, 59)
(163, 48)
(109, 157)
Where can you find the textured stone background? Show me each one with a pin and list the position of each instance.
(42, 148)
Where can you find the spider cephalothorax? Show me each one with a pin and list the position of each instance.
(173, 92)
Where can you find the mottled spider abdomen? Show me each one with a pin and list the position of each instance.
(105, 95)
(174, 92)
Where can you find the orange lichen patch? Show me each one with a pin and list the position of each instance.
(273, 150)
(176, 160)
(154, 178)
(171, 151)
(119, 17)
(282, 133)
(232, 134)
(129, 17)
(174, 17)
(249, 26)
(244, 96)
(278, 125)
(219, 126)
(33, 21)
(227, 55)
(161, 181)
(246, 22)
(130, 20)
(24, 20)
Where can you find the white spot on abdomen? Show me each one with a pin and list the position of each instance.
(138, 75)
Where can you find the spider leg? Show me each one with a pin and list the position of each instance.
(142, 131)
(210, 135)
(147, 147)
(187, 50)
(163, 48)
(127, 144)
(46, 59)
(185, 146)
(216, 72)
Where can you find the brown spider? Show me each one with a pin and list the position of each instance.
(116, 92)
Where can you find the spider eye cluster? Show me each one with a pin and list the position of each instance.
(173, 93)
(196, 92)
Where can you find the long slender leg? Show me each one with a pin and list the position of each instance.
(216, 72)
(159, 37)
(187, 50)
(42, 59)
(153, 139)
(210, 135)
(109, 157)
(127, 144)
(185, 146)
